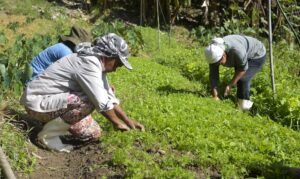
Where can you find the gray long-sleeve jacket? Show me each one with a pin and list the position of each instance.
(85, 75)
(239, 50)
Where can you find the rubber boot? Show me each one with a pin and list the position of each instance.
(244, 105)
(49, 135)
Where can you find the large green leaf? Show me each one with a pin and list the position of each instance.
(2, 70)
(3, 39)
(4, 78)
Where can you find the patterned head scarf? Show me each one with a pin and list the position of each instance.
(109, 45)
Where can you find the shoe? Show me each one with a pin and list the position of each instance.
(49, 136)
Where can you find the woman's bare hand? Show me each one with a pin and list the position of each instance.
(227, 90)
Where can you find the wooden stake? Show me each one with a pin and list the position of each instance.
(9, 174)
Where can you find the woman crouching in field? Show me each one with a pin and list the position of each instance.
(66, 93)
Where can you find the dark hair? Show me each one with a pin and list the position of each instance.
(70, 44)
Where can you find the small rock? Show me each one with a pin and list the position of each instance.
(161, 152)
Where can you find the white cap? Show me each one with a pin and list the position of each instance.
(218, 41)
(213, 53)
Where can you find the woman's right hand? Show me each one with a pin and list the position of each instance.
(227, 90)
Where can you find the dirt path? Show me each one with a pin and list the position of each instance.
(87, 162)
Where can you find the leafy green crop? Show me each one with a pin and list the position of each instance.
(191, 130)
(285, 108)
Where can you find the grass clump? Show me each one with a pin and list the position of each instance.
(16, 148)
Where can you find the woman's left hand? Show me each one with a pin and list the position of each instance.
(227, 90)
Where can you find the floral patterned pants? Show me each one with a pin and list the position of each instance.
(78, 114)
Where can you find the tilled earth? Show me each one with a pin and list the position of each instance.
(86, 162)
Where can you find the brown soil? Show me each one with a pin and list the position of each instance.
(86, 161)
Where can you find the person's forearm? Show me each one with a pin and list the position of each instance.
(120, 113)
(129, 122)
(112, 117)
(237, 76)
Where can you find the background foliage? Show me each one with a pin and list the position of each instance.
(221, 17)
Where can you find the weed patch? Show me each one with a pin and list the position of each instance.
(14, 144)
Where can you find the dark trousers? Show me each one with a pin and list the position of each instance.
(243, 85)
